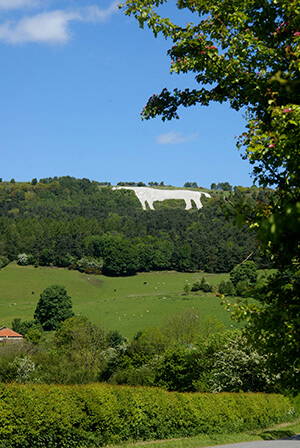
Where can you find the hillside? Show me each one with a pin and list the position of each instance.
(126, 304)
(62, 221)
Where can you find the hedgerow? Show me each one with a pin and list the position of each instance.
(51, 416)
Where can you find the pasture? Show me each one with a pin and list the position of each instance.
(127, 304)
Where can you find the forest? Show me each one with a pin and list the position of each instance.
(85, 225)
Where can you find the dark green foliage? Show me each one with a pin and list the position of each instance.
(276, 323)
(3, 261)
(23, 326)
(177, 370)
(115, 339)
(203, 285)
(134, 376)
(227, 288)
(53, 307)
(190, 185)
(243, 288)
(119, 257)
(246, 271)
(206, 287)
(42, 416)
(196, 287)
(222, 186)
(131, 184)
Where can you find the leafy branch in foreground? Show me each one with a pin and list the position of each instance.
(247, 53)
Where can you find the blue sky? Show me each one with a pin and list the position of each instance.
(75, 76)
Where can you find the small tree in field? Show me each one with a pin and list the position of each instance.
(54, 307)
(246, 271)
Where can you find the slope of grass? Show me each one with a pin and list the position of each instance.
(124, 303)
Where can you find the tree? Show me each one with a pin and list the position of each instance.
(227, 288)
(239, 367)
(120, 257)
(53, 307)
(190, 185)
(246, 271)
(247, 53)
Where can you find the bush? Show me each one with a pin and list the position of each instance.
(196, 286)
(206, 287)
(64, 261)
(90, 265)
(25, 259)
(227, 288)
(246, 271)
(3, 262)
(243, 288)
(203, 285)
(40, 416)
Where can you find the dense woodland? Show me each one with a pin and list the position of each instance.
(85, 225)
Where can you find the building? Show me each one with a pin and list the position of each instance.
(8, 335)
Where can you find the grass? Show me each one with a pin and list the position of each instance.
(127, 304)
(282, 431)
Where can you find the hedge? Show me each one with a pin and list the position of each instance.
(48, 416)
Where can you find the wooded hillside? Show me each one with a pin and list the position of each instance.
(82, 224)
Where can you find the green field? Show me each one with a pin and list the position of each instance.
(127, 304)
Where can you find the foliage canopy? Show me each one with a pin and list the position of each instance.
(53, 307)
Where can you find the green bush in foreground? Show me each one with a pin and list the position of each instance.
(38, 416)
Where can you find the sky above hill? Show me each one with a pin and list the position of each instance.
(75, 75)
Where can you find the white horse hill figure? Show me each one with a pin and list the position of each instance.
(150, 195)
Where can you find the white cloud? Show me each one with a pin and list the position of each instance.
(15, 4)
(174, 138)
(52, 26)
(45, 27)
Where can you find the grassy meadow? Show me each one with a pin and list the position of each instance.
(127, 304)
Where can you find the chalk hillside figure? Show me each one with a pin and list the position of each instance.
(151, 195)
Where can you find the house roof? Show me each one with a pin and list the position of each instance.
(8, 333)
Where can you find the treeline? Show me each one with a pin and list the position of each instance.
(81, 224)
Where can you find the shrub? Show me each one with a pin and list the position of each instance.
(25, 259)
(3, 262)
(243, 288)
(138, 376)
(23, 326)
(246, 271)
(90, 265)
(186, 289)
(203, 285)
(40, 416)
(227, 288)
(206, 287)
(196, 286)
(64, 261)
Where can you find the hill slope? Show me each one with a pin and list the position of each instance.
(127, 304)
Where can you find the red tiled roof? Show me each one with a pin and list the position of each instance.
(8, 333)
